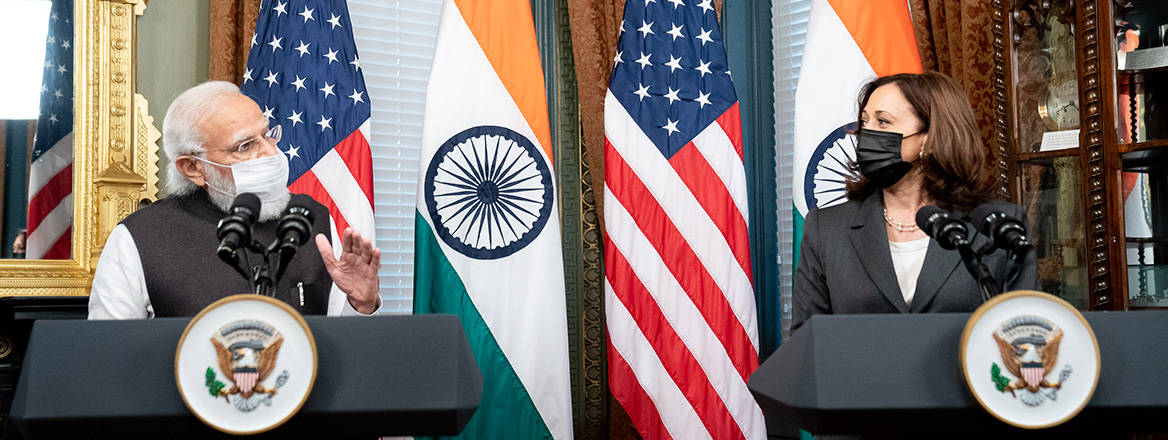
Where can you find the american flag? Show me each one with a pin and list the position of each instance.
(50, 177)
(682, 329)
(304, 72)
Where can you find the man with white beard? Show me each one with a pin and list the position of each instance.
(161, 260)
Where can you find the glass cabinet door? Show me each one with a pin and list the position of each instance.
(1052, 198)
(1045, 76)
(1046, 132)
(1141, 78)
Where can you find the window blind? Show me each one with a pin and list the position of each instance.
(395, 39)
(789, 30)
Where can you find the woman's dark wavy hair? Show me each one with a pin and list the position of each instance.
(955, 167)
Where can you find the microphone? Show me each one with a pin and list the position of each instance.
(949, 232)
(296, 223)
(1006, 232)
(293, 230)
(234, 229)
(952, 233)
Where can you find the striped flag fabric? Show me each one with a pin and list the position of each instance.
(50, 174)
(245, 380)
(487, 237)
(849, 42)
(304, 72)
(679, 306)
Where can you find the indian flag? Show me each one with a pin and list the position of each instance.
(849, 42)
(487, 241)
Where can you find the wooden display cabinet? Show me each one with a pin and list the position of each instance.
(1081, 142)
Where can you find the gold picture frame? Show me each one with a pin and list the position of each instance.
(115, 150)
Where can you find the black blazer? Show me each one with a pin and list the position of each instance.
(845, 266)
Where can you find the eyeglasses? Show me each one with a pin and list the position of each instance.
(273, 135)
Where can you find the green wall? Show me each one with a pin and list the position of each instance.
(173, 38)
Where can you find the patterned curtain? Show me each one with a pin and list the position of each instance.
(594, 34)
(953, 37)
(232, 25)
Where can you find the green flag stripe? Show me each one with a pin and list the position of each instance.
(506, 410)
(798, 238)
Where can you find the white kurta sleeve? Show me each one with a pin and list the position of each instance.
(338, 302)
(119, 285)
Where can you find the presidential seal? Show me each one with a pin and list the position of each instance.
(247, 351)
(1030, 346)
(245, 364)
(1030, 359)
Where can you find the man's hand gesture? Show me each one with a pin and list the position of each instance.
(355, 272)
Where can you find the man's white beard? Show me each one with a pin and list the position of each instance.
(269, 209)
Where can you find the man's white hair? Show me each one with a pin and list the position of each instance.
(180, 128)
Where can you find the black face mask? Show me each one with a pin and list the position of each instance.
(878, 154)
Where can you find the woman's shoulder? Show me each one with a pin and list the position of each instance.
(842, 213)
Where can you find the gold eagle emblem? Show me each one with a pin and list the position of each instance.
(1029, 347)
(247, 352)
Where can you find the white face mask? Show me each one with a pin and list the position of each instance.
(266, 177)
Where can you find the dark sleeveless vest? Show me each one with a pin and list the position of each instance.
(176, 240)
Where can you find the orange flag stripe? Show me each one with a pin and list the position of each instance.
(884, 32)
(506, 33)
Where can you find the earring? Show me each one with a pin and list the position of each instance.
(921, 154)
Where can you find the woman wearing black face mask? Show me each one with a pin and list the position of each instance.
(917, 146)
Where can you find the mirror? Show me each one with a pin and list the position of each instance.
(178, 32)
(36, 129)
(110, 149)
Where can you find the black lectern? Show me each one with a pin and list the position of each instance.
(898, 375)
(386, 375)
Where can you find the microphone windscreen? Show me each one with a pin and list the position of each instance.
(980, 216)
(248, 201)
(927, 215)
(301, 200)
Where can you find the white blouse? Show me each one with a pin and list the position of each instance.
(907, 259)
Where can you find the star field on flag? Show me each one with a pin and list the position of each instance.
(304, 71)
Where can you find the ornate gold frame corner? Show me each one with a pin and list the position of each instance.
(115, 160)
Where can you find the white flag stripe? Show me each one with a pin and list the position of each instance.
(700, 232)
(366, 130)
(50, 229)
(719, 152)
(335, 177)
(50, 163)
(677, 415)
(828, 85)
(681, 313)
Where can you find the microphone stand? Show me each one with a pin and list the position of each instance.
(275, 257)
(262, 280)
(241, 269)
(267, 275)
(981, 273)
